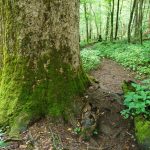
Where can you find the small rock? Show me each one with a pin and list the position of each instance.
(133, 145)
(23, 146)
(86, 96)
(91, 88)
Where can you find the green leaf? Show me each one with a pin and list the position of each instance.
(2, 144)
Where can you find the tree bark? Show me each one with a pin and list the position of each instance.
(86, 22)
(90, 23)
(107, 22)
(130, 21)
(100, 24)
(148, 14)
(141, 20)
(112, 21)
(121, 23)
(117, 18)
(41, 63)
(96, 24)
(136, 32)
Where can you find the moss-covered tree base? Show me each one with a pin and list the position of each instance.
(28, 93)
(142, 128)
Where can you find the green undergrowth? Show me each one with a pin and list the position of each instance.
(137, 106)
(137, 99)
(90, 59)
(2, 142)
(85, 43)
(133, 56)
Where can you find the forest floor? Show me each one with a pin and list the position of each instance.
(115, 133)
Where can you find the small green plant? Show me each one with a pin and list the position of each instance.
(138, 102)
(2, 143)
(77, 130)
(95, 132)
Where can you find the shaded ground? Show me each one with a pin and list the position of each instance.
(111, 76)
(115, 133)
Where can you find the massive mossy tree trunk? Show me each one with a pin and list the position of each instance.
(41, 64)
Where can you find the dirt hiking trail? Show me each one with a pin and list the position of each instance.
(115, 133)
(111, 76)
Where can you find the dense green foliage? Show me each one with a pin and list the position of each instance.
(137, 102)
(132, 56)
(90, 59)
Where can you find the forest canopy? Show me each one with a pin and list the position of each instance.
(114, 19)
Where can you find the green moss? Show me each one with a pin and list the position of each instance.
(19, 124)
(63, 89)
(28, 93)
(142, 128)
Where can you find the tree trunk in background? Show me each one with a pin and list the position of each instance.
(130, 21)
(121, 24)
(136, 32)
(107, 27)
(141, 20)
(121, 7)
(96, 25)
(117, 18)
(108, 22)
(41, 60)
(112, 22)
(100, 25)
(147, 16)
(149, 23)
(86, 22)
(90, 23)
(90, 28)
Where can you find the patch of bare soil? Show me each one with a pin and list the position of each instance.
(115, 133)
(111, 76)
